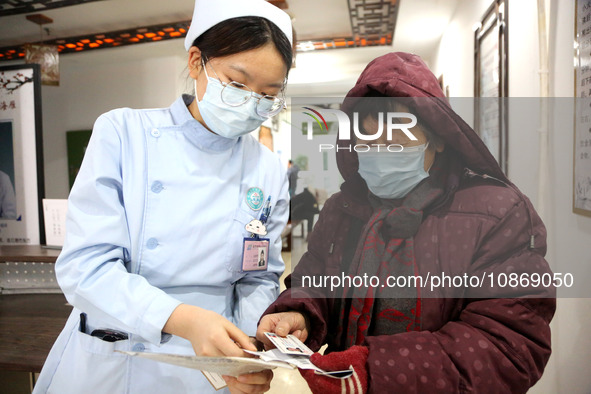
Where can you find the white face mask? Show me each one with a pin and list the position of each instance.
(222, 119)
(393, 174)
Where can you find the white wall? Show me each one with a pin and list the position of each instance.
(568, 234)
(572, 233)
(455, 56)
(330, 73)
(95, 82)
(91, 83)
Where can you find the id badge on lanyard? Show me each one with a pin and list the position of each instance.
(255, 254)
(255, 250)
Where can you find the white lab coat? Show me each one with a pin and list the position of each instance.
(156, 218)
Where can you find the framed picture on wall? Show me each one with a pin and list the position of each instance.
(582, 122)
(491, 83)
(21, 156)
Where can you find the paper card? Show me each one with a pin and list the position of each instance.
(231, 366)
(289, 345)
(54, 214)
(301, 362)
(215, 379)
(345, 374)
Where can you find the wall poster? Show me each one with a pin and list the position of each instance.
(21, 156)
(582, 141)
(491, 81)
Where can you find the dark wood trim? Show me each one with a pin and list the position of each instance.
(28, 254)
(503, 90)
(29, 326)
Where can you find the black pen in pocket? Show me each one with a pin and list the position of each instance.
(83, 322)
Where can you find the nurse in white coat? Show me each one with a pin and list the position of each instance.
(157, 215)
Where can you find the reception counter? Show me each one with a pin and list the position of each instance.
(32, 309)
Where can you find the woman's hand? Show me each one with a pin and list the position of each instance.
(210, 333)
(213, 335)
(282, 324)
(259, 382)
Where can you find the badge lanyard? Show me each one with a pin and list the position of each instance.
(255, 251)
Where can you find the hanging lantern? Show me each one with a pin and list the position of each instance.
(45, 55)
(48, 57)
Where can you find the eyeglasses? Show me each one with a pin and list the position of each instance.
(236, 94)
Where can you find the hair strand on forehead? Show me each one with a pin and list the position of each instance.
(242, 34)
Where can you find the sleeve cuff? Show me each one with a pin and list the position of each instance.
(156, 316)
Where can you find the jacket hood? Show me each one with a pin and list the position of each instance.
(405, 75)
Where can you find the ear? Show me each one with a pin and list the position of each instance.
(194, 62)
(440, 147)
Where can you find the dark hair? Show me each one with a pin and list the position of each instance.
(243, 34)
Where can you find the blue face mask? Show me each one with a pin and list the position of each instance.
(393, 174)
(222, 119)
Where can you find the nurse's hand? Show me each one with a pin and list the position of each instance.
(259, 382)
(282, 324)
(210, 333)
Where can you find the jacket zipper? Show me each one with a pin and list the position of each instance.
(470, 173)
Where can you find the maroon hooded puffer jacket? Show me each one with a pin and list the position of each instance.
(485, 224)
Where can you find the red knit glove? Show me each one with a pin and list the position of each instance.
(352, 358)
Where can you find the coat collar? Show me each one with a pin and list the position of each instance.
(203, 138)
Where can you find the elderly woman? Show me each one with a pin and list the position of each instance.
(441, 206)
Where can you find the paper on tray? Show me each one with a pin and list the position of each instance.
(290, 353)
(231, 366)
(215, 379)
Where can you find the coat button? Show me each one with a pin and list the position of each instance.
(152, 243)
(346, 205)
(155, 133)
(138, 347)
(157, 187)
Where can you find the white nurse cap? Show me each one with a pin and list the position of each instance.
(209, 13)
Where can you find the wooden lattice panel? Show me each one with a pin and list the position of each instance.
(107, 40)
(13, 7)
